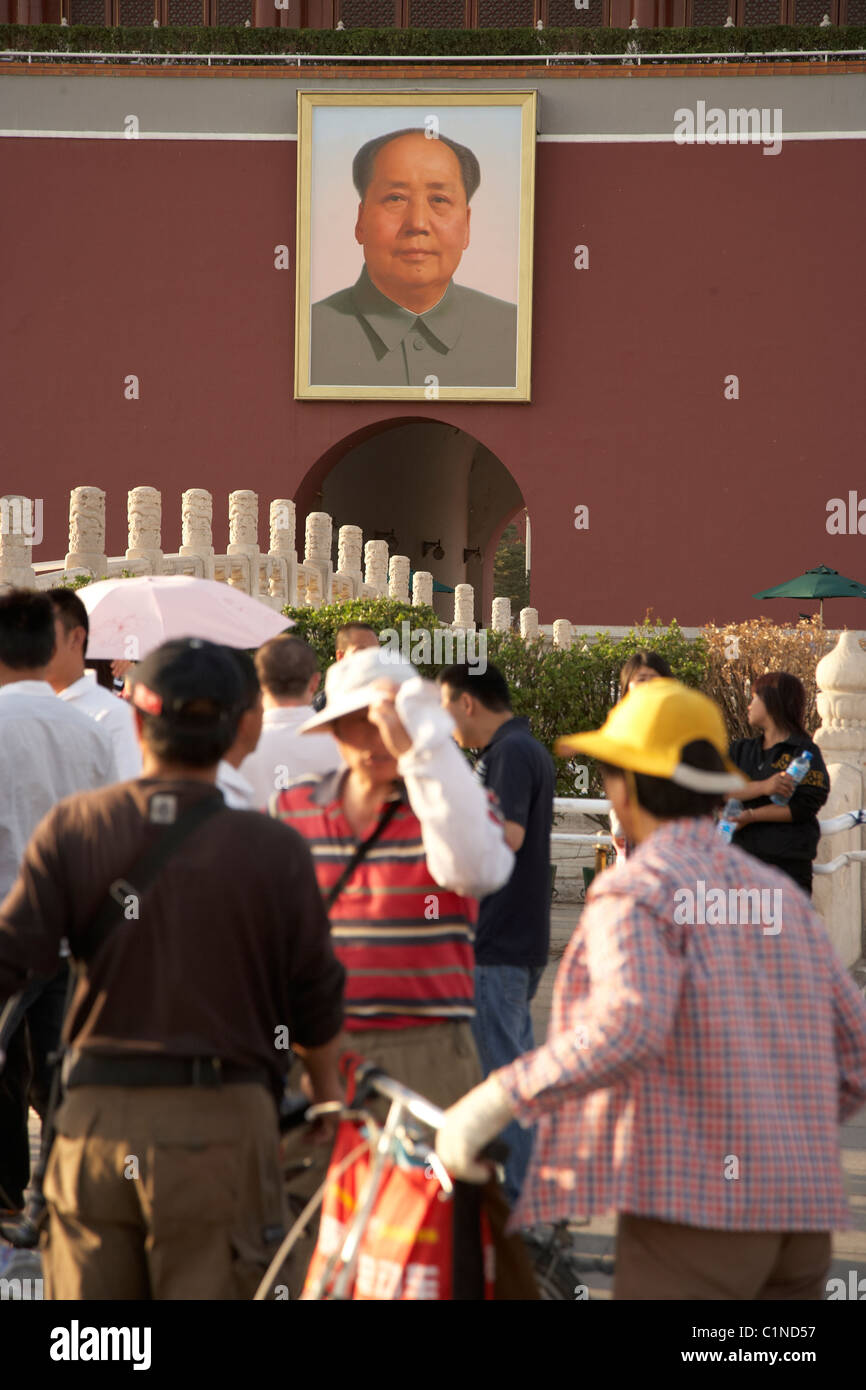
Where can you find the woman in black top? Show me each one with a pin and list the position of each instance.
(786, 836)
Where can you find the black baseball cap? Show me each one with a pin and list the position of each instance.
(189, 682)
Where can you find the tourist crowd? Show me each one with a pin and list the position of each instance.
(218, 885)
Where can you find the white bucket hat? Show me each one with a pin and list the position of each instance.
(349, 685)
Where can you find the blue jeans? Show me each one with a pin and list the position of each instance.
(502, 1028)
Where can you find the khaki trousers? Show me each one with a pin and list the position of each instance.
(163, 1193)
(440, 1060)
(662, 1260)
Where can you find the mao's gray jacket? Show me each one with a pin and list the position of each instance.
(359, 337)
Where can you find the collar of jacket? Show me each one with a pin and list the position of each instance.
(391, 322)
(329, 790)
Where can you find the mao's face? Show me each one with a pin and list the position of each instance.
(414, 221)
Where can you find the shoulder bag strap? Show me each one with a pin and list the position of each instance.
(143, 873)
(361, 852)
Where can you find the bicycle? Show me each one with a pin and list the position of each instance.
(406, 1136)
(560, 1271)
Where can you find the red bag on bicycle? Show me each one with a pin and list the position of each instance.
(421, 1243)
(340, 1202)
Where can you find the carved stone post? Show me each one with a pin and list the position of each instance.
(841, 677)
(376, 566)
(243, 523)
(244, 539)
(196, 520)
(464, 607)
(317, 550)
(500, 617)
(350, 550)
(87, 531)
(317, 539)
(284, 575)
(282, 527)
(529, 624)
(398, 578)
(144, 520)
(16, 541)
(563, 633)
(422, 588)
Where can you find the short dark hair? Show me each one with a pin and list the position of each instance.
(342, 640)
(785, 698)
(190, 694)
(362, 164)
(71, 611)
(286, 665)
(249, 676)
(489, 686)
(642, 657)
(27, 639)
(667, 800)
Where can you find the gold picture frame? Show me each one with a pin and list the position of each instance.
(335, 332)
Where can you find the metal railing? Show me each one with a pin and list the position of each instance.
(599, 806)
(539, 59)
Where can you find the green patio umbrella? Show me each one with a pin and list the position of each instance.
(437, 587)
(819, 583)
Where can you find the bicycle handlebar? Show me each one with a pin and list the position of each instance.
(293, 1107)
(369, 1077)
(419, 1108)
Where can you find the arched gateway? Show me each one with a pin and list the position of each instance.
(435, 493)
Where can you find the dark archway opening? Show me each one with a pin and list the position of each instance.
(434, 492)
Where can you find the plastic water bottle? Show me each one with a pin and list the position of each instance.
(796, 771)
(728, 823)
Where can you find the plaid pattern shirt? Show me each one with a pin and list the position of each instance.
(695, 1071)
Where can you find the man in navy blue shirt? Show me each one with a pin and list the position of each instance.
(512, 938)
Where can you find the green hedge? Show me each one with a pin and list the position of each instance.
(425, 42)
(568, 692)
(559, 692)
(318, 626)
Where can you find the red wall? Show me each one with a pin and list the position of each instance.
(156, 258)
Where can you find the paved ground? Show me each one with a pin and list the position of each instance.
(597, 1238)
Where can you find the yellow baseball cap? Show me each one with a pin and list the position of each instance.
(647, 731)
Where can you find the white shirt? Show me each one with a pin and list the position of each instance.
(48, 751)
(114, 717)
(283, 754)
(238, 793)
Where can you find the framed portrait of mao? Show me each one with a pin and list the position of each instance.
(414, 245)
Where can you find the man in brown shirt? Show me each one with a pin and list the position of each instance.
(164, 1179)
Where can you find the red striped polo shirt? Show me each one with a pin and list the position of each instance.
(405, 942)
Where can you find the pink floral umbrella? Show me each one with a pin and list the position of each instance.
(129, 617)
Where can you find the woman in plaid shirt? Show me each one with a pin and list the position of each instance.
(705, 1041)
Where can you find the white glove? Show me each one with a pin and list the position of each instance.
(470, 1125)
